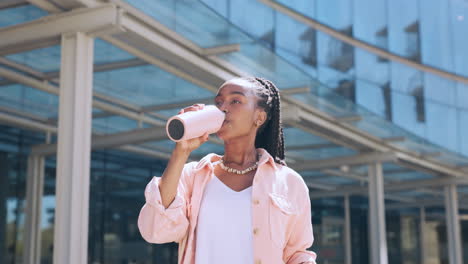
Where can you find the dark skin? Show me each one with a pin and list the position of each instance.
(243, 118)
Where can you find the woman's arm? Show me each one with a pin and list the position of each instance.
(163, 218)
(171, 176)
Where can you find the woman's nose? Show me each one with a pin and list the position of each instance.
(223, 107)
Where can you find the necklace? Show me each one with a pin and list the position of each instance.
(236, 171)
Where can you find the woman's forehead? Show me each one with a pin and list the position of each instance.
(236, 85)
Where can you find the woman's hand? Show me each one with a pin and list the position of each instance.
(187, 146)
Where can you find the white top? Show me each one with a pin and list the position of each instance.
(224, 228)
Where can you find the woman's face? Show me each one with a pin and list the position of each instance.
(237, 98)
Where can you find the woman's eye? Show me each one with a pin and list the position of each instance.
(233, 101)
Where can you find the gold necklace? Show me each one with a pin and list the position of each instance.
(236, 171)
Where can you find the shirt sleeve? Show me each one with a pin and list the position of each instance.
(163, 225)
(302, 236)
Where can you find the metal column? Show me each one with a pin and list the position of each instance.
(32, 228)
(347, 231)
(377, 235)
(4, 169)
(422, 235)
(74, 146)
(453, 224)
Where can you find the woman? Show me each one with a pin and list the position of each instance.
(244, 207)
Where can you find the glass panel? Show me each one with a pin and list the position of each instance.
(294, 137)
(113, 124)
(43, 60)
(336, 180)
(404, 29)
(169, 112)
(435, 34)
(313, 174)
(220, 6)
(437, 152)
(373, 124)
(257, 60)
(402, 235)
(164, 145)
(317, 154)
(116, 178)
(146, 86)
(453, 158)
(463, 122)
(241, 12)
(394, 26)
(193, 20)
(29, 100)
(104, 52)
(371, 27)
(14, 149)
(48, 59)
(462, 189)
(379, 127)
(394, 172)
(168, 146)
(458, 22)
(441, 118)
(328, 226)
(407, 176)
(48, 211)
(329, 102)
(21, 14)
(426, 194)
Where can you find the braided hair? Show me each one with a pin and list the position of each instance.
(270, 134)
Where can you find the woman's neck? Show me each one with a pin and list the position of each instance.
(240, 156)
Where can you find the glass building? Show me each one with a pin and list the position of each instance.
(375, 115)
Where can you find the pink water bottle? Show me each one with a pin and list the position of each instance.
(194, 124)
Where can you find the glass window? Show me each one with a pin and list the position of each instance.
(20, 14)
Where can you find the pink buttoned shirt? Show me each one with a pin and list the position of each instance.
(281, 213)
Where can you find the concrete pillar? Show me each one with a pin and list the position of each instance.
(377, 232)
(347, 231)
(3, 204)
(74, 146)
(453, 224)
(34, 192)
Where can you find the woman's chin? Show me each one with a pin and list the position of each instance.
(222, 134)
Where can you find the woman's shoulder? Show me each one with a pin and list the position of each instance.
(288, 171)
(291, 176)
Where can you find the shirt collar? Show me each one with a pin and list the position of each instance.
(265, 157)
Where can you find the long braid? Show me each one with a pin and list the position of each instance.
(270, 134)
(278, 122)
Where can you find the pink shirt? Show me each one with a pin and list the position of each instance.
(281, 213)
